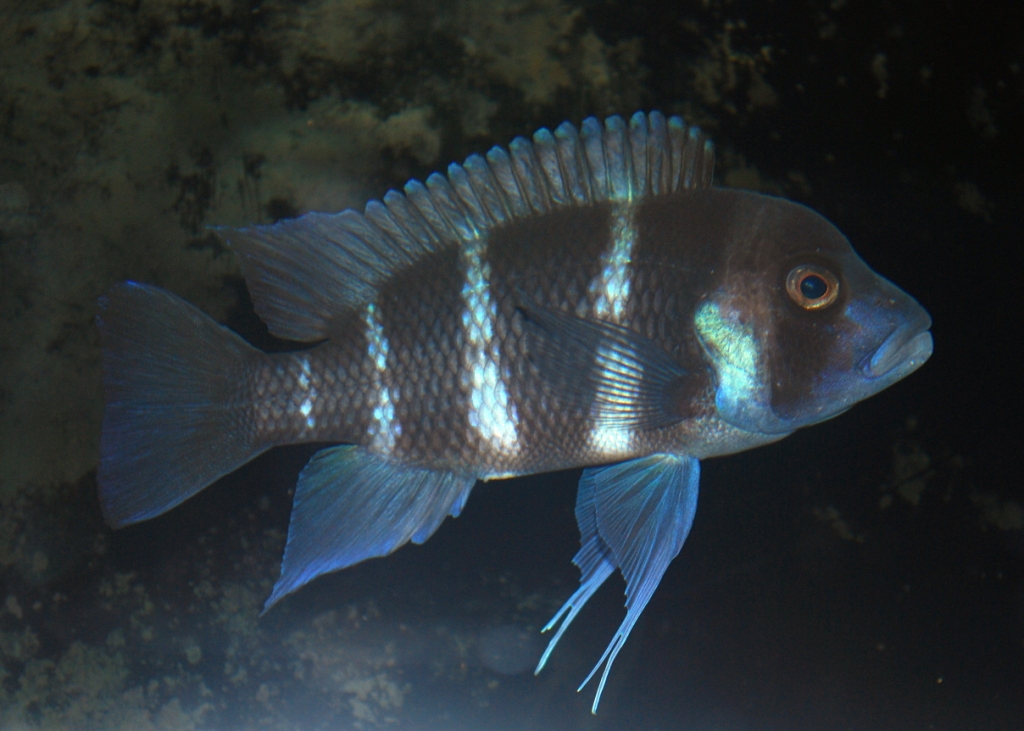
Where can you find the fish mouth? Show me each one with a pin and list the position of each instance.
(902, 353)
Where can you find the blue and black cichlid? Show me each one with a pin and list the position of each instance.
(587, 299)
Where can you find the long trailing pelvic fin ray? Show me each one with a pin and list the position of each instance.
(636, 516)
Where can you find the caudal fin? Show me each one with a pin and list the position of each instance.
(173, 419)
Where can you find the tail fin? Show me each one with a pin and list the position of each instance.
(173, 421)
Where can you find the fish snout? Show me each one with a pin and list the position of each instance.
(904, 351)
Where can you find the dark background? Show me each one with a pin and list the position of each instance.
(765, 617)
(769, 618)
(811, 593)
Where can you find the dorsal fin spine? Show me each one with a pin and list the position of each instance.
(573, 163)
(707, 163)
(455, 219)
(408, 219)
(593, 150)
(528, 173)
(618, 159)
(547, 156)
(381, 217)
(640, 153)
(690, 163)
(501, 166)
(482, 180)
(658, 140)
(466, 197)
(419, 196)
(677, 141)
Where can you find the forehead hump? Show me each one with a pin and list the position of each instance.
(738, 228)
(796, 229)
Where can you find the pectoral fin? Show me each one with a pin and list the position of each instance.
(351, 505)
(622, 378)
(634, 516)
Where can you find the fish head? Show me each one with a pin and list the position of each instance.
(798, 328)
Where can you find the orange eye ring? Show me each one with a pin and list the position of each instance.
(812, 286)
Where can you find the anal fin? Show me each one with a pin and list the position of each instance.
(634, 516)
(351, 505)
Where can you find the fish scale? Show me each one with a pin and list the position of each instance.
(586, 298)
(421, 322)
(338, 376)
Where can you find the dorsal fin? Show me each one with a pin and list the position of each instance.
(307, 272)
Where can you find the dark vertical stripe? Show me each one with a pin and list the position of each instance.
(419, 310)
(546, 261)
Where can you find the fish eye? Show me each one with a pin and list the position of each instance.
(812, 286)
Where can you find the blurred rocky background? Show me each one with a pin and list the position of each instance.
(129, 127)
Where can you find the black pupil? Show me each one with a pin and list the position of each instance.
(813, 287)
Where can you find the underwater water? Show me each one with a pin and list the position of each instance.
(866, 573)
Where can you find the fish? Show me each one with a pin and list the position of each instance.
(587, 298)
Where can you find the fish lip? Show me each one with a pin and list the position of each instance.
(904, 351)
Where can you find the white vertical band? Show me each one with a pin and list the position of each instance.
(491, 414)
(610, 291)
(383, 427)
(304, 381)
(610, 288)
